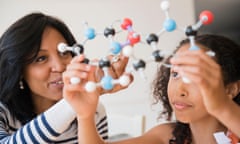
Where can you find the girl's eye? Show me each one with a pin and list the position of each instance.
(174, 74)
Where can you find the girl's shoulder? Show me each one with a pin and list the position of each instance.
(161, 133)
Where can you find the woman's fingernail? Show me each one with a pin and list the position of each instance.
(173, 59)
(88, 67)
(176, 68)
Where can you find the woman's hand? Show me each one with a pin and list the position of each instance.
(116, 70)
(83, 102)
(77, 95)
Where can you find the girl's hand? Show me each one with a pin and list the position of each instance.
(203, 71)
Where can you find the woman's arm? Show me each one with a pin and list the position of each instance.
(44, 129)
(84, 103)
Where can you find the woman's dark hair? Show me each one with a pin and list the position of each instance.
(19, 45)
(227, 56)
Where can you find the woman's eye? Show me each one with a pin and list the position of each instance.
(40, 59)
(66, 54)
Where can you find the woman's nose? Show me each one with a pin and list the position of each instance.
(58, 65)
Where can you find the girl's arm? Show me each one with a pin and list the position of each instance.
(87, 134)
(229, 115)
(218, 99)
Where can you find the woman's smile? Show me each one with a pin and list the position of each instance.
(57, 83)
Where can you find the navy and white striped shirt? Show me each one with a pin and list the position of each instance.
(58, 125)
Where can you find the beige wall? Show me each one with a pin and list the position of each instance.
(147, 17)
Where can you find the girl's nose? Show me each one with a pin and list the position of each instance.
(181, 88)
(182, 94)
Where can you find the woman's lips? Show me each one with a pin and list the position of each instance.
(57, 83)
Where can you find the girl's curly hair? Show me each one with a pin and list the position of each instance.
(227, 55)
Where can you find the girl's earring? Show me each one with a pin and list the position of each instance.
(21, 85)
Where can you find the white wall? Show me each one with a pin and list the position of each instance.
(147, 17)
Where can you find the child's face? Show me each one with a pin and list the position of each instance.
(185, 98)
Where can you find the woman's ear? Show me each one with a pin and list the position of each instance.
(233, 89)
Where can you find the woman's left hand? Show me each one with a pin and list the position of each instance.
(77, 95)
(116, 70)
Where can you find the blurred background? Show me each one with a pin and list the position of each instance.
(147, 17)
(226, 17)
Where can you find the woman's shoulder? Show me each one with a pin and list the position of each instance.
(7, 120)
(5, 114)
(4, 110)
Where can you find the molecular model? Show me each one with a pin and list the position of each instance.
(126, 48)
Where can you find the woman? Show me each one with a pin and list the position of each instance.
(31, 106)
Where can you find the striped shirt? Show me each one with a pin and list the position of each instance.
(57, 125)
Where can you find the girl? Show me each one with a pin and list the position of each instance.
(207, 105)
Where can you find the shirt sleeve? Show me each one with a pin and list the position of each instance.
(101, 121)
(44, 129)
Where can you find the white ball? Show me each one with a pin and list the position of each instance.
(210, 53)
(124, 80)
(165, 5)
(186, 80)
(61, 47)
(127, 51)
(75, 80)
(90, 86)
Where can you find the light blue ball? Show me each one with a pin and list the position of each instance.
(107, 82)
(90, 33)
(115, 47)
(169, 25)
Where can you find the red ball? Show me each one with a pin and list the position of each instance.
(206, 17)
(133, 38)
(126, 23)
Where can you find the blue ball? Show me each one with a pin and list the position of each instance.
(169, 25)
(194, 47)
(115, 47)
(107, 82)
(90, 33)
